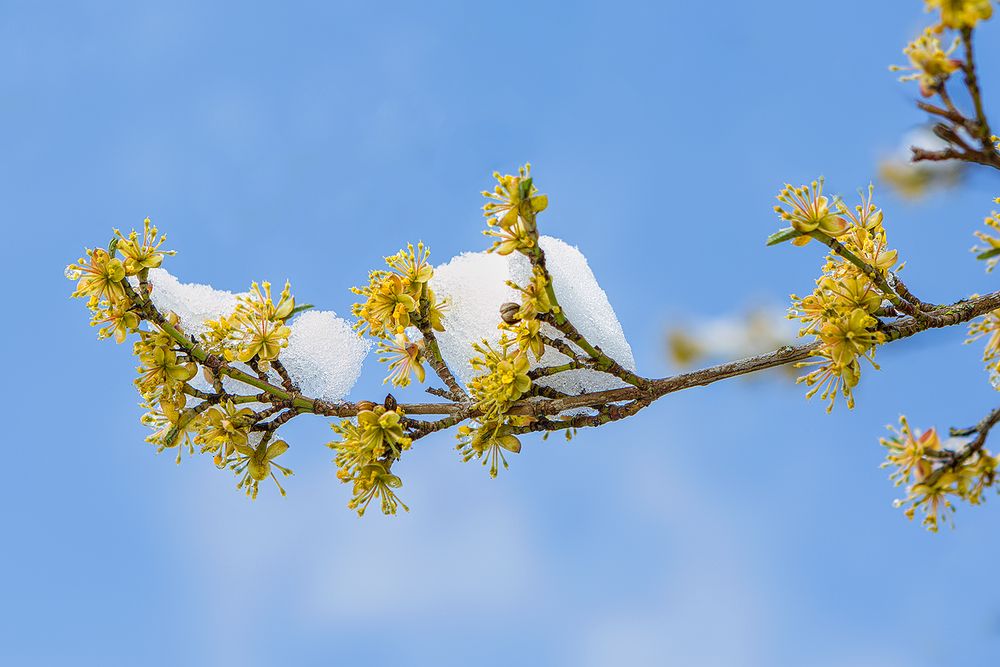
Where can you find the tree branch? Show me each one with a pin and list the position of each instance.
(949, 315)
(954, 459)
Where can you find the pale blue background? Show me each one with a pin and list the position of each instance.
(736, 525)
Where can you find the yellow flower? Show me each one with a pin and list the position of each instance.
(222, 428)
(382, 432)
(864, 216)
(931, 65)
(512, 238)
(808, 209)
(832, 299)
(220, 335)
(988, 326)
(514, 197)
(528, 335)
(933, 499)
(259, 301)
(387, 309)
(258, 325)
(852, 292)
(813, 310)
(991, 251)
(535, 298)
(435, 310)
(375, 481)
(487, 443)
(262, 339)
(98, 276)
(958, 14)
(866, 236)
(118, 319)
(831, 378)
(974, 478)
(845, 338)
(412, 264)
(907, 452)
(403, 357)
(170, 427)
(849, 337)
(256, 462)
(160, 368)
(142, 253)
(352, 453)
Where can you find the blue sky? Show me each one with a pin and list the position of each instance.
(734, 525)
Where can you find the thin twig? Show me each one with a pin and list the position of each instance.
(432, 353)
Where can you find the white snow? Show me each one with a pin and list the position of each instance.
(324, 354)
(193, 303)
(474, 283)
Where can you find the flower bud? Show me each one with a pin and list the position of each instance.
(509, 312)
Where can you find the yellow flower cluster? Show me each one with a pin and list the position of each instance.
(840, 312)
(255, 330)
(989, 327)
(395, 300)
(162, 380)
(930, 64)
(504, 377)
(101, 278)
(224, 430)
(392, 298)
(807, 209)
(162, 370)
(503, 381)
(511, 214)
(511, 210)
(366, 451)
(933, 475)
(959, 14)
(990, 252)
